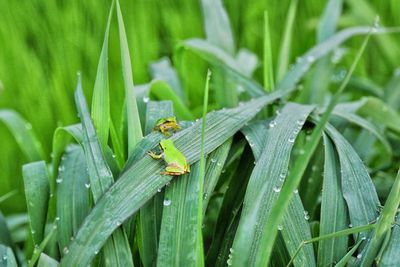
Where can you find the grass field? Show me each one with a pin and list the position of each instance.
(288, 115)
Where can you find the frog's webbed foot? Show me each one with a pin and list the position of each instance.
(154, 155)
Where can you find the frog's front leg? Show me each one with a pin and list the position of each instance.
(154, 155)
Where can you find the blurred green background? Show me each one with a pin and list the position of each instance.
(44, 43)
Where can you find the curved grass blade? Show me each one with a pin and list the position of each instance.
(142, 180)
(284, 51)
(284, 198)
(265, 184)
(334, 215)
(217, 26)
(343, 262)
(40, 248)
(116, 250)
(151, 212)
(7, 258)
(370, 127)
(101, 94)
(162, 91)
(23, 133)
(133, 119)
(36, 181)
(162, 70)
(46, 261)
(358, 189)
(392, 91)
(73, 195)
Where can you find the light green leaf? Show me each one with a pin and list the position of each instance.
(46, 261)
(101, 94)
(7, 258)
(36, 181)
(23, 134)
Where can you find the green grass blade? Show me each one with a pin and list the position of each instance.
(284, 198)
(343, 262)
(265, 185)
(133, 119)
(36, 181)
(73, 195)
(46, 261)
(178, 236)
(7, 258)
(151, 212)
(286, 43)
(40, 248)
(162, 91)
(215, 163)
(217, 26)
(268, 65)
(116, 250)
(333, 210)
(101, 94)
(392, 91)
(370, 127)
(328, 22)
(24, 135)
(129, 193)
(391, 254)
(358, 190)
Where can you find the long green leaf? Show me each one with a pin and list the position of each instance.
(133, 120)
(73, 195)
(36, 181)
(333, 210)
(23, 133)
(142, 180)
(5, 234)
(116, 250)
(101, 94)
(151, 212)
(268, 65)
(46, 261)
(265, 185)
(286, 43)
(391, 254)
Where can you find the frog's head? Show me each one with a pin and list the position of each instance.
(166, 120)
(166, 143)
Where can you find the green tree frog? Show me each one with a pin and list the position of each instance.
(176, 161)
(166, 125)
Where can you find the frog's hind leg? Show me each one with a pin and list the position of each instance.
(174, 169)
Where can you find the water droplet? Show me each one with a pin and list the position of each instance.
(272, 124)
(301, 151)
(66, 250)
(231, 250)
(57, 218)
(31, 204)
(51, 195)
(310, 58)
(229, 262)
(33, 232)
(119, 223)
(219, 164)
(146, 99)
(291, 139)
(213, 160)
(296, 191)
(300, 122)
(87, 185)
(205, 195)
(167, 202)
(359, 256)
(72, 238)
(277, 112)
(306, 216)
(282, 176)
(114, 156)
(251, 144)
(280, 227)
(350, 225)
(5, 257)
(59, 180)
(96, 252)
(277, 189)
(61, 168)
(159, 190)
